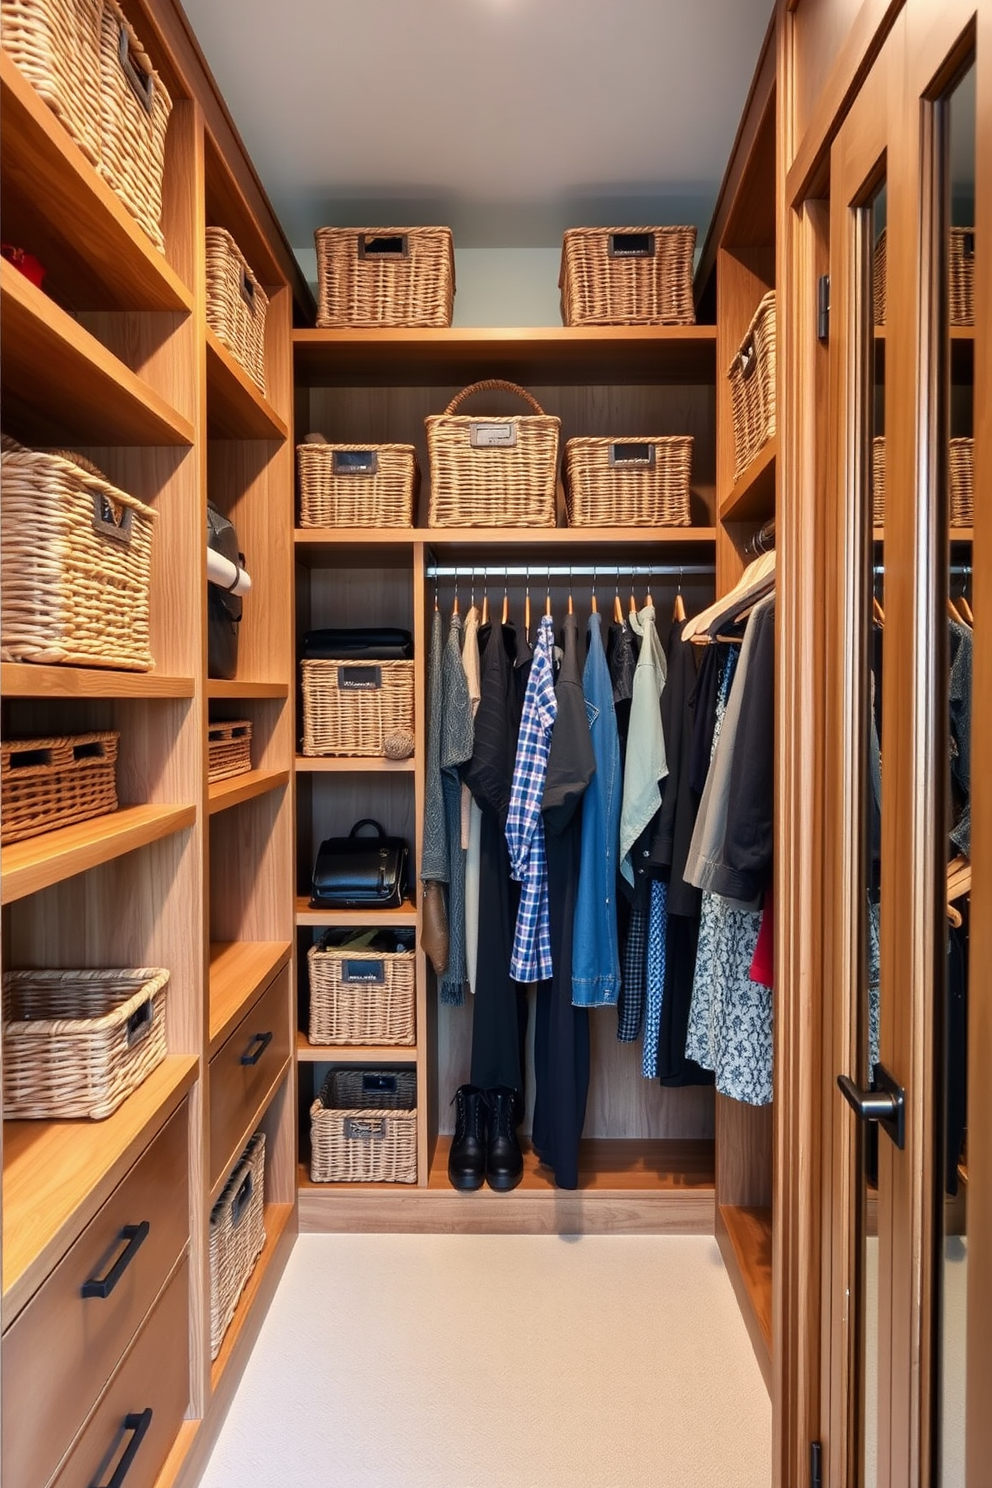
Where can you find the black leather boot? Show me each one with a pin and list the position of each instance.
(504, 1160)
(467, 1158)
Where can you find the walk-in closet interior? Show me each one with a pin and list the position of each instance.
(787, 1039)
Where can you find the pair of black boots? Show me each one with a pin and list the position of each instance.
(485, 1148)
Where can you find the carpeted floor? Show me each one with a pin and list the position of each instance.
(459, 1361)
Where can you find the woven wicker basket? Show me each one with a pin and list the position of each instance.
(77, 1043)
(357, 708)
(752, 386)
(360, 996)
(379, 276)
(961, 483)
(628, 482)
(363, 1127)
(75, 565)
(878, 278)
(236, 304)
(493, 472)
(237, 1237)
(134, 120)
(351, 485)
(878, 481)
(56, 45)
(627, 276)
(52, 782)
(960, 277)
(228, 749)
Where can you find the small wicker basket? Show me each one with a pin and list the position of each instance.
(229, 749)
(627, 276)
(52, 782)
(236, 304)
(878, 481)
(385, 276)
(134, 120)
(358, 708)
(961, 483)
(363, 1127)
(628, 482)
(878, 278)
(351, 485)
(752, 386)
(237, 1237)
(360, 996)
(56, 45)
(75, 565)
(493, 472)
(77, 1043)
(960, 277)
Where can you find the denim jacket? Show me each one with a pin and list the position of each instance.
(595, 954)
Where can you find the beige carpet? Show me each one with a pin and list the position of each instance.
(458, 1361)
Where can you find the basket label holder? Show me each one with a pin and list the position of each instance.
(383, 245)
(632, 454)
(355, 462)
(365, 1128)
(359, 679)
(631, 245)
(356, 972)
(490, 435)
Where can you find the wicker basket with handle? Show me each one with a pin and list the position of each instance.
(228, 749)
(351, 485)
(77, 1043)
(628, 482)
(385, 276)
(960, 482)
(363, 1127)
(493, 472)
(752, 386)
(56, 45)
(134, 120)
(358, 708)
(236, 304)
(360, 996)
(627, 276)
(237, 1237)
(53, 782)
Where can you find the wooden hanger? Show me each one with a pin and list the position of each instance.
(484, 618)
(571, 607)
(593, 603)
(506, 599)
(878, 614)
(527, 612)
(965, 610)
(678, 607)
(954, 916)
(953, 613)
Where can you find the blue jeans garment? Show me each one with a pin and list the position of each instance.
(595, 951)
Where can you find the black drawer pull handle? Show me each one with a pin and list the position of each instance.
(263, 1040)
(138, 1424)
(102, 1286)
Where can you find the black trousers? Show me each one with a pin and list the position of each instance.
(499, 1018)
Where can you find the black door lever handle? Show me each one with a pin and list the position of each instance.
(886, 1104)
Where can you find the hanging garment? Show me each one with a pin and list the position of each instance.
(675, 1070)
(621, 657)
(595, 949)
(655, 978)
(633, 989)
(704, 716)
(456, 749)
(960, 711)
(531, 960)
(763, 961)
(666, 844)
(471, 818)
(645, 763)
(956, 1040)
(434, 939)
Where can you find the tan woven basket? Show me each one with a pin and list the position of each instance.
(52, 782)
(961, 483)
(357, 707)
(379, 276)
(134, 120)
(75, 565)
(237, 1237)
(879, 278)
(236, 304)
(878, 481)
(228, 749)
(752, 386)
(361, 997)
(960, 277)
(351, 485)
(627, 276)
(628, 482)
(56, 45)
(493, 472)
(77, 1043)
(363, 1127)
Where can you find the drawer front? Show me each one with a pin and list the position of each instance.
(243, 1069)
(63, 1348)
(131, 1432)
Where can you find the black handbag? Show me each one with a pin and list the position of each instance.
(370, 643)
(356, 872)
(224, 609)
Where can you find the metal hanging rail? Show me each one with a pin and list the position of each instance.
(601, 571)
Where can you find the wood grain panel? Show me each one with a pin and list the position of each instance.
(238, 1091)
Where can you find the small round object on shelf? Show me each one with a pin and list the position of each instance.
(398, 745)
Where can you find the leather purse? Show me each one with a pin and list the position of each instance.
(361, 872)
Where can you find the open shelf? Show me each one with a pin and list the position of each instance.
(253, 1120)
(60, 383)
(26, 867)
(239, 788)
(405, 915)
(753, 496)
(236, 408)
(320, 547)
(352, 765)
(744, 1233)
(275, 1219)
(56, 1175)
(309, 1053)
(239, 970)
(954, 534)
(217, 689)
(23, 679)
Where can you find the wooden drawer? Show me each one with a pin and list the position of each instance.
(144, 1405)
(236, 1086)
(63, 1348)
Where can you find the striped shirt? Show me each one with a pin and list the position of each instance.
(531, 959)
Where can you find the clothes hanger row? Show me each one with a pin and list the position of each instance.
(596, 572)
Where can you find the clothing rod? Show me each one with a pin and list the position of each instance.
(955, 570)
(602, 572)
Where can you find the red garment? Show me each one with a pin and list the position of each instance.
(763, 961)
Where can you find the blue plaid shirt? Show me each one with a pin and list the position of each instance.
(531, 959)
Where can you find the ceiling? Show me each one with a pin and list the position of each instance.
(508, 120)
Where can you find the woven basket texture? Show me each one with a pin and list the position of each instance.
(878, 278)
(229, 749)
(605, 486)
(346, 1011)
(237, 1237)
(752, 386)
(961, 483)
(960, 277)
(77, 1043)
(383, 497)
(236, 304)
(411, 288)
(355, 721)
(598, 288)
(878, 481)
(480, 485)
(51, 782)
(75, 565)
(56, 45)
(132, 128)
(362, 1137)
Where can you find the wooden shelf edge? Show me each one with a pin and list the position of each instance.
(318, 538)
(753, 496)
(407, 915)
(24, 679)
(248, 1128)
(308, 1053)
(277, 1217)
(744, 1234)
(217, 689)
(243, 402)
(353, 765)
(179, 1453)
(27, 867)
(223, 794)
(247, 967)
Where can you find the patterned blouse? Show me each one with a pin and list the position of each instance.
(531, 959)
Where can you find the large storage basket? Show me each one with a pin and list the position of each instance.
(752, 386)
(627, 276)
(493, 472)
(960, 277)
(229, 749)
(363, 1127)
(56, 45)
(960, 482)
(75, 565)
(373, 276)
(628, 482)
(350, 485)
(77, 1043)
(878, 481)
(357, 707)
(134, 120)
(52, 782)
(237, 1236)
(236, 304)
(360, 996)
(879, 278)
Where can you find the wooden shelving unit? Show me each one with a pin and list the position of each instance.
(347, 765)
(238, 689)
(239, 971)
(405, 915)
(21, 680)
(224, 794)
(237, 409)
(37, 863)
(744, 1233)
(309, 1053)
(752, 497)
